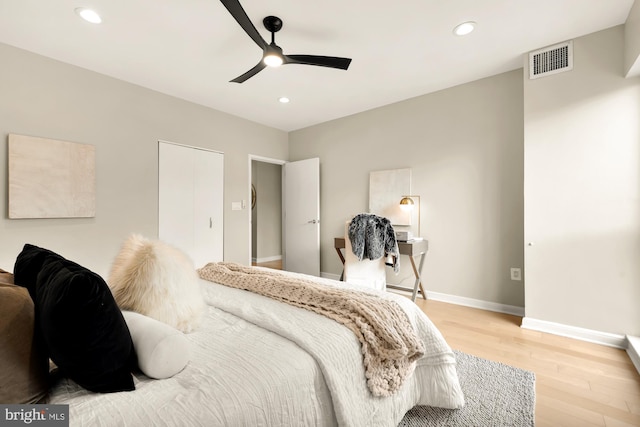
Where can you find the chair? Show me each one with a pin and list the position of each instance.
(366, 272)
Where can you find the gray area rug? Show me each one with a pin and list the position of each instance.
(496, 395)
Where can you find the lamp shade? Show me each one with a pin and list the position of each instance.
(406, 202)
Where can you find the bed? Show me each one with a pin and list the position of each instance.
(256, 361)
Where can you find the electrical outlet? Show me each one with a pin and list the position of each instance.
(516, 274)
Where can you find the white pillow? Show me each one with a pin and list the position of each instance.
(162, 351)
(158, 280)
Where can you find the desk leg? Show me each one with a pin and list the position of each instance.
(341, 259)
(417, 272)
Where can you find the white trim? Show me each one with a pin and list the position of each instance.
(191, 146)
(476, 303)
(267, 259)
(589, 335)
(633, 350)
(330, 276)
(454, 299)
(266, 160)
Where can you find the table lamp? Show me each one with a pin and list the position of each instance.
(407, 203)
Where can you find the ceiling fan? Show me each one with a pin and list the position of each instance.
(272, 53)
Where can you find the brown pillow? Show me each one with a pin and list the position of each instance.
(6, 277)
(24, 365)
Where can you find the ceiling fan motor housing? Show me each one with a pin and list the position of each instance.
(273, 24)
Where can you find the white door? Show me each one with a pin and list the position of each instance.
(190, 201)
(301, 207)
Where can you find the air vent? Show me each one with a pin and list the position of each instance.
(551, 60)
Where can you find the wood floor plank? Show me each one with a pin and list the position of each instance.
(612, 422)
(584, 362)
(555, 413)
(592, 402)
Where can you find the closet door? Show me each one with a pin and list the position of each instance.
(208, 224)
(190, 201)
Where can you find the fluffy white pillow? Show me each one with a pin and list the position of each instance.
(162, 351)
(158, 280)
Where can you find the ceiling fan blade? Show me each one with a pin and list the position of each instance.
(252, 72)
(322, 61)
(236, 10)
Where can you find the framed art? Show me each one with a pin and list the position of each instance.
(386, 188)
(49, 178)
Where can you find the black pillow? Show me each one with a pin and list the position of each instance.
(83, 328)
(28, 266)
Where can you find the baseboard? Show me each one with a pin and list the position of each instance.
(633, 350)
(266, 259)
(330, 276)
(454, 299)
(476, 303)
(589, 335)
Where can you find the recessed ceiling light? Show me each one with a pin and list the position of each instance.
(464, 28)
(284, 100)
(88, 15)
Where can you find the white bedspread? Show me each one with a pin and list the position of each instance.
(259, 362)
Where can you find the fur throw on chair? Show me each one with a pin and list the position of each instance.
(373, 236)
(158, 280)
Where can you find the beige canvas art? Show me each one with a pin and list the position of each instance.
(49, 178)
(386, 188)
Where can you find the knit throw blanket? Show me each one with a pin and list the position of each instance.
(388, 341)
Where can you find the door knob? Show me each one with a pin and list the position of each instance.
(210, 222)
(313, 221)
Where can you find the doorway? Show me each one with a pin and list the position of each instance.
(266, 213)
(299, 215)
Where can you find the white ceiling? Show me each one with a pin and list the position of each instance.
(192, 48)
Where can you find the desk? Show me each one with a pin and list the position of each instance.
(411, 249)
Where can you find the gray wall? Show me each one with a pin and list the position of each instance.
(582, 191)
(464, 146)
(47, 98)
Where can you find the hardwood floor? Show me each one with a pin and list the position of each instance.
(276, 265)
(577, 383)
